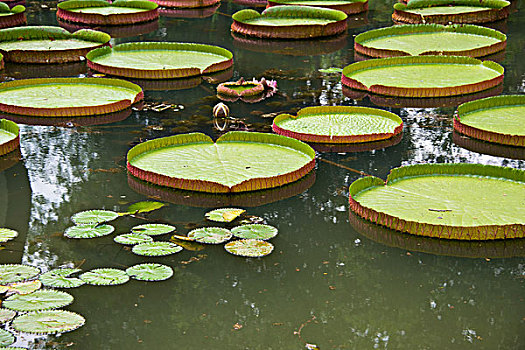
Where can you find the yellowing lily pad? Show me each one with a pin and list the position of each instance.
(253, 248)
(224, 214)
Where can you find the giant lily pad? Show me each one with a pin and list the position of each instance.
(150, 272)
(10, 273)
(95, 216)
(289, 22)
(48, 322)
(443, 201)
(46, 44)
(451, 11)
(12, 17)
(88, 231)
(37, 301)
(104, 13)
(7, 234)
(210, 235)
(156, 249)
(423, 76)
(60, 97)
(6, 338)
(347, 6)
(338, 124)
(253, 248)
(153, 229)
(255, 231)
(498, 119)
(430, 39)
(9, 138)
(60, 278)
(184, 4)
(159, 60)
(105, 277)
(237, 162)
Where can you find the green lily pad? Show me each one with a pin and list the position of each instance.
(133, 238)
(255, 231)
(252, 248)
(5, 233)
(237, 162)
(105, 277)
(153, 229)
(88, 231)
(6, 338)
(224, 214)
(159, 60)
(44, 299)
(94, 216)
(23, 287)
(210, 235)
(48, 322)
(6, 315)
(144, 207)
(9, 134)
(10, 273)
(331, 70)
(65, 97)
(156, 249)
(150, 272)
(443, 201)
(59, 278)
(338, 124)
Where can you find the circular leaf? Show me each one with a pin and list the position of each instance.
(156, 249)
(24, 287)
(48, 322)
(224, 214)
(249, 247)
(6, 315)
(10, 273)
(38, 301)
(7, 234)
(150, 272)
(133, 238)
(255, 231)
(58, 278)
(153, 229)
(144, 207)
(94, 216)
(105, 277)
(88, 231)
(210, 235)
(6, 338)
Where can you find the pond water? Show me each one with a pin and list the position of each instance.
(333, 280)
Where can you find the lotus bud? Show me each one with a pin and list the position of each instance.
(221, 111)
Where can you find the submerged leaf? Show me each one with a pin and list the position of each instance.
(40, 300)
(224, 214)
(94, 216)
(58, 278)
(105, 277)
(133, 238)
(6, 338)
(210, 235)
(6, 315)
(48, 322)
(7, 234)
(156, 249)
(150, 272)
(10, 273)
(144, 207)
(249, 247)
(88, 231)
(153, 229)
(187, 244)
(256, 231)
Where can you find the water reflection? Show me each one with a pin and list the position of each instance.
(124, 31)
(484, 147)
(200, 12)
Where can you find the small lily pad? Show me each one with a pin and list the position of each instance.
(37, 301)
(94, 216)
(59, 278)
(88, 231)
(48, 322)
(150, 272)
(156, 249)
(24, 287)
(255, 231)
(224, 214)
(6, 338)
(105, 277)
(153, 229)
(253, 248)
(7, 234)
(133, 238)
(6, 315)
(211, 235)
(331, 70)
(10, 273)
(144, 207)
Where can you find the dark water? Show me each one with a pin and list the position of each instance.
(332, 280)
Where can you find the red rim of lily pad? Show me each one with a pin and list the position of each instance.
(121, 31)
(185, 3)
(250, 184)
(347, 6)
(483, 147)
(495, 10)
(66, 12)
(421, 228)
(422, 92)
(360, 41)
(49, 33)
(240, 88)
(491, 103)
(165, 73)
(15, 17)
(14, 142)
(327, 111)
(198, 12)
(335, 22)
